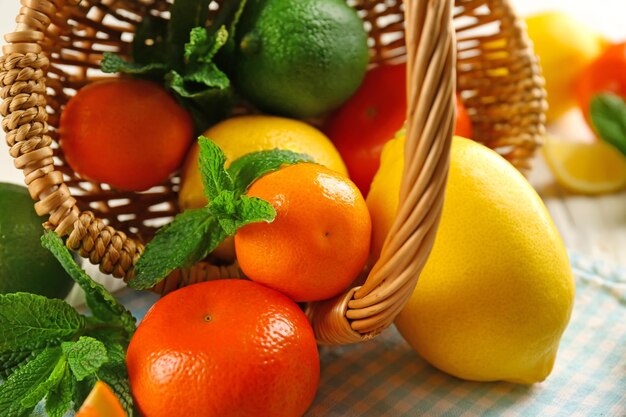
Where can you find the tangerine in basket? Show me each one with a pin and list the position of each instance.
(128, 133)
(319, 241)
(224, 348)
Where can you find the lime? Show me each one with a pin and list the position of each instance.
(25, 266)
(300, 58)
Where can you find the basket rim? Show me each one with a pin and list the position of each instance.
(362, 312)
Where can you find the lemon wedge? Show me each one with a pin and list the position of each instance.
(587, 168)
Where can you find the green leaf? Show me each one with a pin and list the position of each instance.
(59, 399)
(12, 360)
(85, 356)
(116, 376)
(26, 379)
(204, 93)
(112, 64)
(181, 243)
(253, 166)
(233, 213)
(608, 116)
(82, 389)
(30, 321)
(39, 392)
(102, 304)
(202, 47)
(214, 177)
(185, 15)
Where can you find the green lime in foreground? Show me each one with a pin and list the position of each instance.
(300, 58)
(25, 266)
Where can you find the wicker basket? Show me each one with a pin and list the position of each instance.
(56, 50)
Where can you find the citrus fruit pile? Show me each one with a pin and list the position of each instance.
(583, 70)
(274, 194)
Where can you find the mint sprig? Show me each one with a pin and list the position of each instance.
(181, 54)
(608, 116)
(50, 351)
(193, 234)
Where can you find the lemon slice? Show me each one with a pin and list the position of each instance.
(588, 168)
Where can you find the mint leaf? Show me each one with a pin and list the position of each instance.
(233, 213)
(112, 64)
(185, 15)
(85, 356)
(214, 177)
(206, 93)
(30, 321)
(115, 374)
(40, 391)
(181, 243)
(102, 304)
(26, 379)
(59, 399)
(12, 360)
(253, 166)
(202, 47)
(229, 14)
(608, 116)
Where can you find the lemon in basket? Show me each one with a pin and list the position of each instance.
(245, 134)
(497, 291)
(25, 266)
(300, 58)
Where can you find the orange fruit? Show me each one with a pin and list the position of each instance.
(101, 402)
(128, 133)
(318, 242)
(224, 348)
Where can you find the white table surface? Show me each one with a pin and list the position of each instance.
(593, 226)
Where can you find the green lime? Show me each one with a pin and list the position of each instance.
(25, 266)
(300, 58)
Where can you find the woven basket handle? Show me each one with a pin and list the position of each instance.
(365, 311)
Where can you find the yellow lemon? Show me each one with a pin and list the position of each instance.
(497, 291)
(588, 168)
(245, 134)
(565, 46)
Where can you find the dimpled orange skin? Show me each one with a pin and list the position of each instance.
(319, 241)
(128, 133)
(224, 348)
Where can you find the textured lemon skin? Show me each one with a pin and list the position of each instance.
(497, 291)
(245, 134)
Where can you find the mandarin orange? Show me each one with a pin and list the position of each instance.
(318, 242)
(128, 133)
(224, 348)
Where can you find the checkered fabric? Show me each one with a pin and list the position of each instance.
(384, 377)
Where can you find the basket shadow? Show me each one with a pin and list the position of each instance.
(385, 377)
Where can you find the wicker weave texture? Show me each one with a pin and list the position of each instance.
(58, 44)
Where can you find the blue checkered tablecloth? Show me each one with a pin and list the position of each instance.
(384, 377)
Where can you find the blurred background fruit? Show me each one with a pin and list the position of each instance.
(320, 239)
(25, 266)
(218, 347)
(565, 46)
(605, 74)
(300, 58)
(371, 117)
(587, 168)
(245, 134)
(128, 133)
(497, 291)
